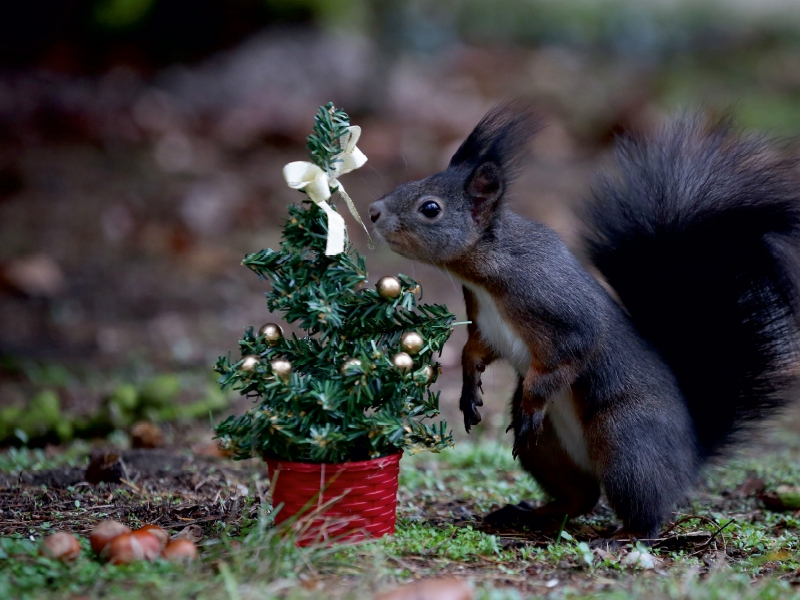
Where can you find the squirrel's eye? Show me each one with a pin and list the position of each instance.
(430, 209)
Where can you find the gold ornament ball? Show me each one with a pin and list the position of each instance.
(412, 342)
(403, 362)
(282, 368)
(389, 287)
(429, 373)
(350, 365)
(250, 363)
(272, 332)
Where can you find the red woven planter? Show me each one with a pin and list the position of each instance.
(346, 501)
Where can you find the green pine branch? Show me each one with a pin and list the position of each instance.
(323, 144)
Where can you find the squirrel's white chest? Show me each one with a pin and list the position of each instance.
(495, 331)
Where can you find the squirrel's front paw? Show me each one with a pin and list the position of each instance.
(469, 404)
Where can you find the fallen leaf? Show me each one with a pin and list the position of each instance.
(145, 434)
(785, 497)
(193, 533)
(35, 275)
(751, 486)
(604, 554)
(211, 450)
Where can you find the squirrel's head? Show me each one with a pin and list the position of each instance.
(440, 218)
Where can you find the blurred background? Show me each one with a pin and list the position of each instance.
(141, 146)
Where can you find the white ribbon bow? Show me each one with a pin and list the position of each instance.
(317, 184)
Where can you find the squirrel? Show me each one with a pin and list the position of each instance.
(627, 392)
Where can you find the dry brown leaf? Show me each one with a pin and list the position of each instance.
(210, 450)
(35, 275)
(145, 434)
(193, 533)
(751, 486)
(785, 497)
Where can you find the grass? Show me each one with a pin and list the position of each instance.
(35, 459)
(441, 496)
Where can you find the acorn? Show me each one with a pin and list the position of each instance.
(156, 531)
(61, 546)
(124, 549)
(151, 544)
(104, 532)
(180, 550)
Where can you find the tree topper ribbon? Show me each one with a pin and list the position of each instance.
(317, 184)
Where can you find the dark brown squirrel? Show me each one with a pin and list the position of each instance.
(697, 232)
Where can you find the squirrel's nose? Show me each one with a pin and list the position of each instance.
(374, 211)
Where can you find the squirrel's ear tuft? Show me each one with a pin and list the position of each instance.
(499, 138)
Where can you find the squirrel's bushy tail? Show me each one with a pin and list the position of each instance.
(698, 233)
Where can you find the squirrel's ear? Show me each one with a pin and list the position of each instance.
(485, 186)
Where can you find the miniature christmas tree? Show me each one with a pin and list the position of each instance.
(357, 384)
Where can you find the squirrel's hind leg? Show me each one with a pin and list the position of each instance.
(647, 460)
(573, 491)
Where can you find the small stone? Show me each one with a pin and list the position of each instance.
(636, 558)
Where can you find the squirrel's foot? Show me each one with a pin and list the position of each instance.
(524, 516)
(609, 544)
(622, 538)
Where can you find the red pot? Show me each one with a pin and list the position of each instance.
(346, 502)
